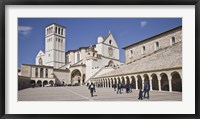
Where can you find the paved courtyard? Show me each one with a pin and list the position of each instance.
(82, 93)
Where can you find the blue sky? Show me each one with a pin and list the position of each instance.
(84, 32)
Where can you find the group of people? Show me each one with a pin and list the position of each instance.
(145, 91)
(120, 87)
(142, 93)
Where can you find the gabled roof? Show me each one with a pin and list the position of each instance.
(40, 53)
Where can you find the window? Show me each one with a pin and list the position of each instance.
(56, 30)
(36, 72)
(131, 53)
(110, 41)
(157, 46)
(46, 73)
(41, 72)
(88, 53)
(61, 31)
(58, 39)
(143, 49)
(173, 40)
(40, 61)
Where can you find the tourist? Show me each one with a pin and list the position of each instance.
(130, 88)
(115, 86)
(92, 89)
(140, 95)
(119, 86)
(127, 88)
(146, 90)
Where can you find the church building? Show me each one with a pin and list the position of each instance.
(56, 66)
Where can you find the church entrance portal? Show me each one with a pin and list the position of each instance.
(76, 77)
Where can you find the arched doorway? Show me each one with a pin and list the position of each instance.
(133, 82)
(139, 81)
(123, 81)
(164, 82)
(146, 79)
(154, 82)
(127, 80)
(45, 82)
(33, 83)
(76, 77)
(39, 83)
(51, 82)
(176, 82)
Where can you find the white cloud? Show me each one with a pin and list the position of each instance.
(143, 24)
(24, 30)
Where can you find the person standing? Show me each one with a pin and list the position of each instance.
(146, 90)
(92, 89)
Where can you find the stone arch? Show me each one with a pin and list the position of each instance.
(133, 82)
(112, 82)
(164, 82)
(39, 83)
(127, 80)
(109, 83)
(33, 83)
(176, 81)
(45, 82)
(119, 81)
(139, 81)
(76, 77)
(146, 78)
(51, 82)
(123, 81)
(154, 82)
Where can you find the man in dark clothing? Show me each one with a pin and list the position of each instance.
(140, 95)
(92, 89)
(146, 90)
(119, 86)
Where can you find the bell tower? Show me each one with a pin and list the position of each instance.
(55, 45)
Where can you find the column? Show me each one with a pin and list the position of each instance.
(151, 88)
(136, 84)
(170, 84)
(142, 82)
(159, 83)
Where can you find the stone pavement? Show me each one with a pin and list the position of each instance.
(82, 93)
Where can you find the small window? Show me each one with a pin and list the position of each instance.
(110, 42)
(143, 49)
(36, 72)
(173, 40)
(88, 53)
(157, 46)
(56, 30)
(46, 73)
(58, 39)
(61, 31)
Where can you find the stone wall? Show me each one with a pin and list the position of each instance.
(23, 82)
(164, 40)
(61, 75)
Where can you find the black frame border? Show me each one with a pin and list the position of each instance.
(98, 2)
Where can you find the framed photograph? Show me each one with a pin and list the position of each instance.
(125, 58)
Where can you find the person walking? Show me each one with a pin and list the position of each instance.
(119, 86)
(140, 94)
(92, 89)
(115, 86)
(146, 90)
